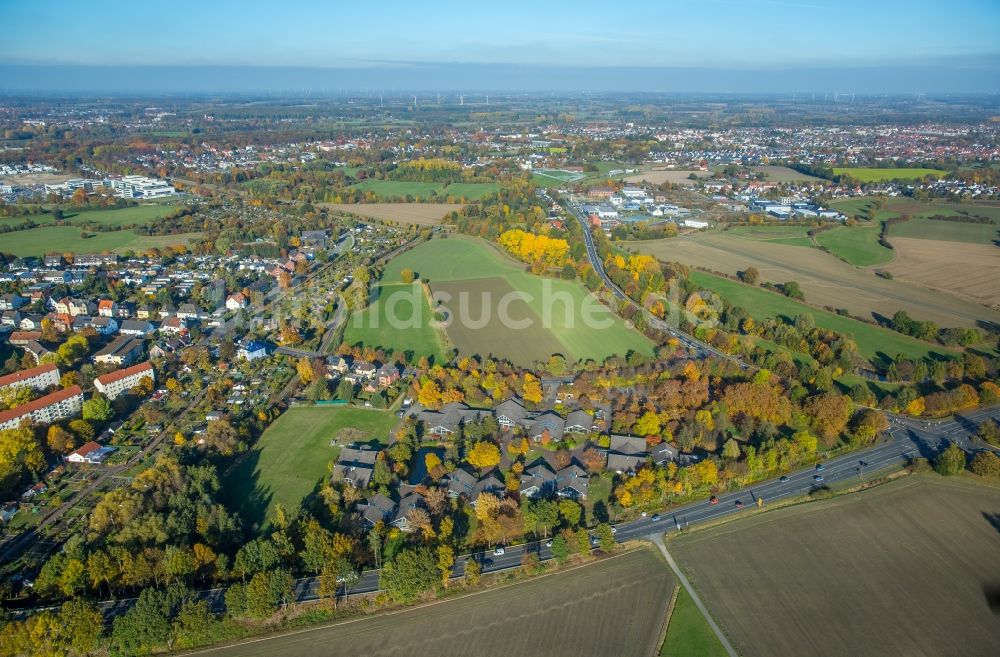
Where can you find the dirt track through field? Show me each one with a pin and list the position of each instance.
(825, 280)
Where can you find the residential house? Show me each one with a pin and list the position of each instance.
(355, 465)
(123, 351)
(548, 424)
(107, 308)
(336, 364)
(92, 453)
(579, 421)
(378, 508)
(236, 301)
(12, 301)
(8, 511)
(627, 453)
(37, 351)
(538, 480)
(572, 482)
(510, 413)
(34, 491)
(462, 482)
(449, 419)
(255, 349)
(21, 338)
(138, 327)
(387, 375)
(400, 518)
(173, 326)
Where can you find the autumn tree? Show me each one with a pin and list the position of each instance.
(483, 454)
(406, 275)
(531, 389)
(828, 414)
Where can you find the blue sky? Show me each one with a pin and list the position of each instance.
(709, 33)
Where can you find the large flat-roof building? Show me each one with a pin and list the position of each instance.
(142, 187)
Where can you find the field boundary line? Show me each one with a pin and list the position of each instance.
(658, 540)
(667, 617)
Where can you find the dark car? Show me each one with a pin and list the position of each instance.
(783, 479)
(817, 477)
(739, 505)
(713, 500)
(820, 467)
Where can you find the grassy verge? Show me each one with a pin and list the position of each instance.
(688, 633)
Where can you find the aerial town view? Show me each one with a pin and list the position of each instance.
(538, 329)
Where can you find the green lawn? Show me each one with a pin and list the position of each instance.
(400, 189)
(948, 231)
(873, 342)
(688, 633)
(66, 239)
(291, 457)
(140, 214)
(461, 258)
(409, 328)
(857, 245)
(874, 174)
(471, 191)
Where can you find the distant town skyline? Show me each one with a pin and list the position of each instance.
(768, 45)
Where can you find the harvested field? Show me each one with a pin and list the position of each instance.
(39, 178)
(612, 607)
(658, 177)
(421, 214)
(783, 174)
(970, 271)
(476, 327)
(896, 570)
(825, 280)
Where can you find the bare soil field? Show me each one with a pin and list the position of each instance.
(475, 326)
(421, 214)
(966, 270)
(783, 174)
(901, 569)
(660, 176)
(40, 178)
(613, 607)
(826, 280)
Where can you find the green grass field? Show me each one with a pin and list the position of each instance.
(444, 261)
(140, 214)
(66, 239)
(947, 231)
(873, 342)
(873, 174)
(471, 191)
(791, 235)
(411, 315)
(688, 633)
(857, 245)
(291, 457)
(399, 189)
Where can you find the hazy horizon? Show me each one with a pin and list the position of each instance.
(740, 46)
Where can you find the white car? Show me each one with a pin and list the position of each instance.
(497, 552)
(614, 530)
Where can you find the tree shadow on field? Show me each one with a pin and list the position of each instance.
(243, 492)
(993, 519)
